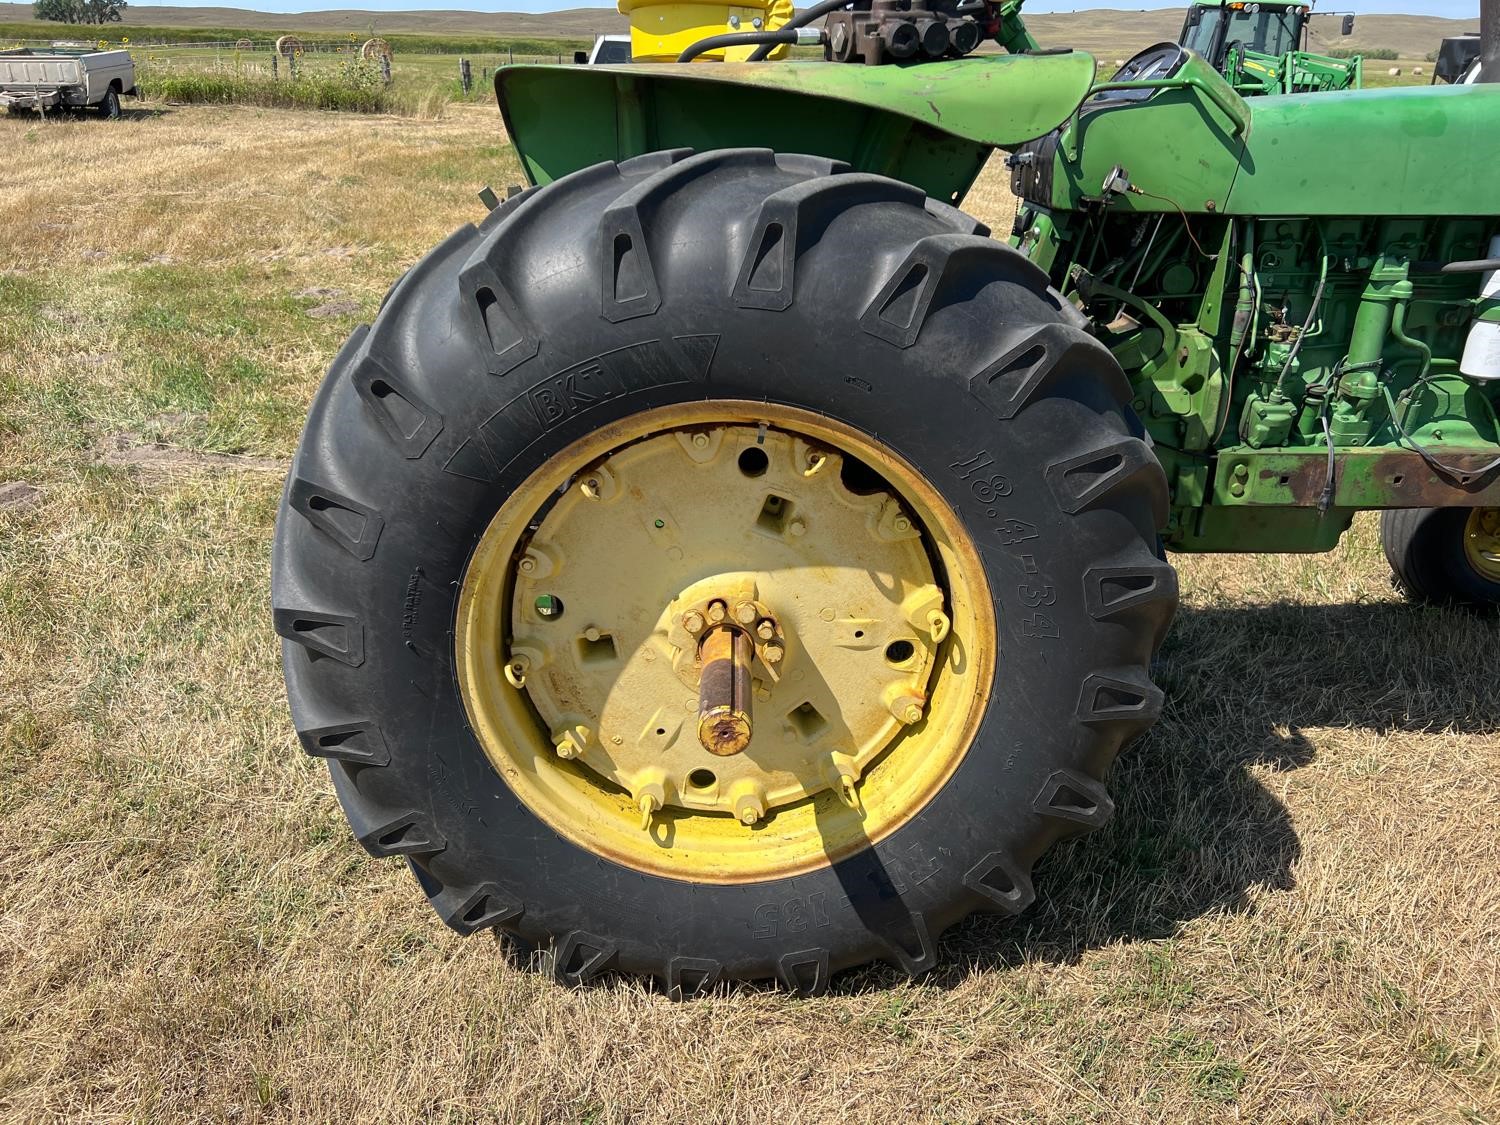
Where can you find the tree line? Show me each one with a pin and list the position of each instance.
(79, 11)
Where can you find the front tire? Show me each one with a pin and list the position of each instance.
(669, 295)
(1444, 556)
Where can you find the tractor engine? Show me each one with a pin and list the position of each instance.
(902, 30)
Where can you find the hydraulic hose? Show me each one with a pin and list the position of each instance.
(1312, 313)
(767, 40)
(800, 19)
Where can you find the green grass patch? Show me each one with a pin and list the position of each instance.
(353, 86)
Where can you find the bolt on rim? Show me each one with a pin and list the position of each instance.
(725, 642)
(1482, 542)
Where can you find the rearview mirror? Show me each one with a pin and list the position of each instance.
(1348, 25)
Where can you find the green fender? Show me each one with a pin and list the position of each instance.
(932, 125)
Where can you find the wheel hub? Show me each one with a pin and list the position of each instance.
(724, 641)
(1482, 542)
(798, 672)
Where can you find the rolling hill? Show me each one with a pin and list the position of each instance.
(1106, 32)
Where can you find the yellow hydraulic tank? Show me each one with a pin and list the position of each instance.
(660, 32)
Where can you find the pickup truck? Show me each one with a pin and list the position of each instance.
(65, 78)
(607, 50)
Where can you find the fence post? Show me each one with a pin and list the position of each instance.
(465, 75)
(275, 66)
(385, 68)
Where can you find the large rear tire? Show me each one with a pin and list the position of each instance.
(736, 319)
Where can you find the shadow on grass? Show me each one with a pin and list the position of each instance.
(1195, 831)
(130, 110)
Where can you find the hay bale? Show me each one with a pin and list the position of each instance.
(243, 45)
(288, 45)
(1394, 72)
(375, 49)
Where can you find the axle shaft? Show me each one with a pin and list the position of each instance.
(724, 691)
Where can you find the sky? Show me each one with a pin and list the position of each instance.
(1454, 9)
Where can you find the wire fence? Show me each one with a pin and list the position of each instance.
(269, 47)
(268, 43)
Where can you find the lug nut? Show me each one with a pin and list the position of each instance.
(772, 654)
(693, 621)
(766, 629)
(907, 709)
(568, 745)
(717, 611)
(744, 613)
(749, 800)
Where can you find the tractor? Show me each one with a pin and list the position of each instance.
(1263, 48)
(727, 560)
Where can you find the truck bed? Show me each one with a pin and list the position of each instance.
(62, 76)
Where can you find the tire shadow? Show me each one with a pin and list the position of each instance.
(130, 110)
(1195, 830)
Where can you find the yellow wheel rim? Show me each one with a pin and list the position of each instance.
(865, 607)
(1482, 542)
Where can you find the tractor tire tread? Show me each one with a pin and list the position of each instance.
(382, 400)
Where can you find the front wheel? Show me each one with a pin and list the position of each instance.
(722, 566)
(1445, 556)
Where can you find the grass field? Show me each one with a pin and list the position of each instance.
(1294, 916)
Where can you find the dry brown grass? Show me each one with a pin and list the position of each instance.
(1293, 917)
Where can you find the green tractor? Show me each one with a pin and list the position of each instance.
(728, 561)
(1262, 48)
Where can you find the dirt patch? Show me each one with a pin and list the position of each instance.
(19, 496)
(320, 292)
(126, 451)
(334, 308)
